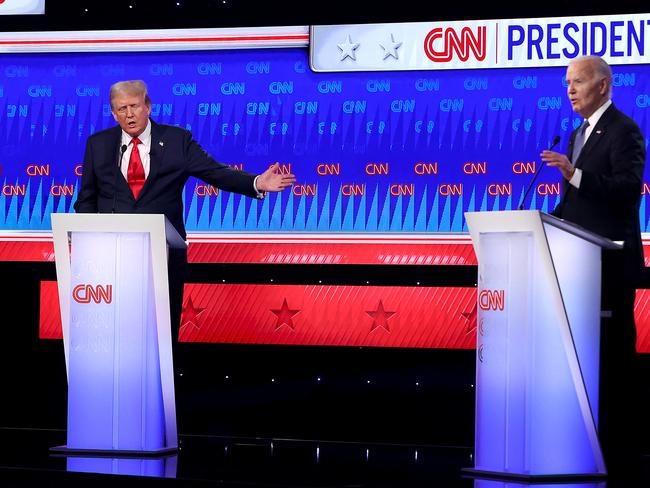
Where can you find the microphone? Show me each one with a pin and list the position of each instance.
(556, 139)
(118, 171)
(123, 150)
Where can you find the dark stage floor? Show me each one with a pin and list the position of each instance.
(25, 461)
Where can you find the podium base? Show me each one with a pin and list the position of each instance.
(112, 453)
(532, 478)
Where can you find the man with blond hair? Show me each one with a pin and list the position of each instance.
(140, 166)
(155, 161)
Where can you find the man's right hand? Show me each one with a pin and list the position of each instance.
(273, 180)
(560, 161)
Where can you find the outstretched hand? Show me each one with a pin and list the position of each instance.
(273, 180)
(559, 161)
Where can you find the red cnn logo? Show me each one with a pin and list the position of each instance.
(98, 294)
(453, 43)
(491, 300)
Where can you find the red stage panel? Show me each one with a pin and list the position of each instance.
(330, 315)
(642, 317)
(314, 315)
(50, 313)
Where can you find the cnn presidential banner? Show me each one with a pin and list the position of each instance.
(22, 7)
(506, 43)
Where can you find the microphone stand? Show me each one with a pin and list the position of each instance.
(118, 171)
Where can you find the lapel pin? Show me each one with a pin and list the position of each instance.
(599, 131)
(161, 143)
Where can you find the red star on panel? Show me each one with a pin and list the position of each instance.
(190, 314)
(380, 317)
(471, 319)
(284, 315)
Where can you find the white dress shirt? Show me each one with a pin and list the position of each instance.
(144, 148)
(593, 120)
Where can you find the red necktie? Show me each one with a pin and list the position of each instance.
(135, 173)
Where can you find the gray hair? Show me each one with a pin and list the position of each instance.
(130, 87)
(600, 69)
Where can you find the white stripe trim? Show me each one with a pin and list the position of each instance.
(154, 39)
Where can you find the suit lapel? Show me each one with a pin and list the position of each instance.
(565, 184)
(595, 137)
(117, 160)
(569, 151)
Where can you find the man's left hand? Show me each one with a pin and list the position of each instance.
(273, 180)
(559, 161)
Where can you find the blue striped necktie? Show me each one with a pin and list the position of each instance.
(579, 141)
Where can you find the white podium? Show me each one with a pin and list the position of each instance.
(114, 296)
(538, 340)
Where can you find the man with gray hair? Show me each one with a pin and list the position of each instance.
(140, 166)
(602, 172)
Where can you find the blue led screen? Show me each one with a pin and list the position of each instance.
(390, 151)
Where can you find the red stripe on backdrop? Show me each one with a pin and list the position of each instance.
(26, 251)
(431, 253)
(392, 253)
(267, 37)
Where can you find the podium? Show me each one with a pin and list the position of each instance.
(114, 296)
(538, 341)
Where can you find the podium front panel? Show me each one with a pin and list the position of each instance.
(114, 386)
(92, 341)
(504, 298)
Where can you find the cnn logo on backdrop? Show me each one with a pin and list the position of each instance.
(442, 45)
(85, 293)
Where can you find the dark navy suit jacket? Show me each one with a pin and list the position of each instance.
(174, 157)
(607, 202)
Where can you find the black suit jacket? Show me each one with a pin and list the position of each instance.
(607, 202)
(174, 157)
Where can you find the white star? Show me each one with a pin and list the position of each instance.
(392, 48)
(348, 48)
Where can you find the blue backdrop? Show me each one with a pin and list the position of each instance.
(390, 151)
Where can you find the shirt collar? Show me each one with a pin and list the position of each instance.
(145, 137)
(595, 117)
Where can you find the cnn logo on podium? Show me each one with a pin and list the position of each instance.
(85, 293)
(492, 300)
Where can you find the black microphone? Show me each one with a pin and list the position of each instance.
(118, 171)
(556, 139)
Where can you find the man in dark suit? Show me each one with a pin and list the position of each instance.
(602, 175)
(140, 166)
